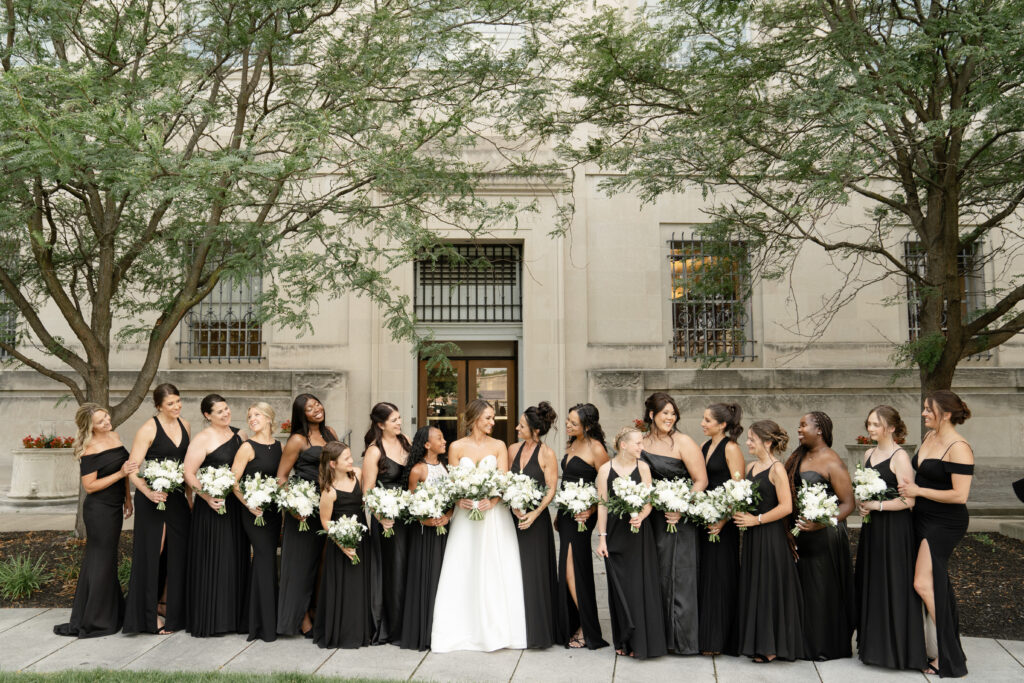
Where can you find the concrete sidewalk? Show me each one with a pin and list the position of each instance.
(27, 643)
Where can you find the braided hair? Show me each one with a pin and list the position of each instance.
(824, 423)
(417, 453)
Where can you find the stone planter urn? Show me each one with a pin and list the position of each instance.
(855, 453)
(43, 476)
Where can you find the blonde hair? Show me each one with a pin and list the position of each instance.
(264, 409)
(623, 433)
(83, 420)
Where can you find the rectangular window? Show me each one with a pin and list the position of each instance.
(476, 283)
(224, 327)
(710, 299)
(972, 287)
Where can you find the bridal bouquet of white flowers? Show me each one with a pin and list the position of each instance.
(387, 503)
(346, 532)
(672, 495)
(164, 476)
(628, 498)
(299, 497)
(575, 497)
(216, 482)
(259, 490)
(522, 492)
(740, 495)
(430, 501)
(475, 484)
(815, 504)
(869, 485)
(709, 507)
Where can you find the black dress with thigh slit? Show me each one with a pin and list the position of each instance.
(262, 622)
(301, 553)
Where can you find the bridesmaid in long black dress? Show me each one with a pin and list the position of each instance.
(631, 559)
(301, 550)
(218, 559)
(771, 604)
(343, 617)
(160, 537)
(260, 454)
(426, 547)
(672, 455)
(534, 530)
(945, 465)
(720, 561)
(889, 632)
(387, 451)
(825, 568)
(577, 598)
(98, 609)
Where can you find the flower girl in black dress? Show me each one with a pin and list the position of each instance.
(426, 547)
(343, 616)
(631, 559)
(889, 632)
(98, 609)
(771, 604)
(260, 454)
(533, 529)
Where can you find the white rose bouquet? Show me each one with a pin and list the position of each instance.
(740, 495)
(814, 504)
(164, 476)
(522, 492)
(709, 507)
(869, 485)
(216, 482)
(672, 495)
(387, 503)
(628, 498)
(430, 501)
(299, 497)
(259, 491)
(575, 497)
(475, 484)
(346, 532)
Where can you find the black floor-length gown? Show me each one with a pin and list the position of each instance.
(301, 553)
(678, 563)
(890, 630)
(98, 608)
(262, 622)
(426, 555)
(719, 569)
(571, 617)
(942, 525)
(152, 569)
(390, 556)
(826, 580)
(218, 562)
(343, 617)
(634, 588)
(537, 561)
(771, 606)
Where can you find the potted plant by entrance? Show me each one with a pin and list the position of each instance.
(44, 470)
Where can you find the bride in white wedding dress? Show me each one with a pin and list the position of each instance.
(479, 604)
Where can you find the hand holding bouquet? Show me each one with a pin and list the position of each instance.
(216, 482)
(430, 501)
(259, 490)
(869, 485)
(672, 495)
(163, 476)
(709, 507)
(346, 532)
(814, 504)
(299, 497)
(628, 498)
(576, 497)
(387, 504)
(523, 493)
(475, 484)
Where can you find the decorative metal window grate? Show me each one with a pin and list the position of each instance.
(710, 300)
(224, 326)
(480, 283)
(8, 323)
(972, 287)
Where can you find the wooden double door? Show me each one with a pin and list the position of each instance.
(443, 396)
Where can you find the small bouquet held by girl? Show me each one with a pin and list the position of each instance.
(576, 497)
(216, 482)
(869, 485)
(815, 504)
(430, 501)
(299, 497)
(387, 504)
(164, 476)
(259, 490)
(475, 484)
(672, 495)
(522, 492)
(346, 532)
(628, 498)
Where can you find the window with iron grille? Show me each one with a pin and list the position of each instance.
(8, 322)
(478, 283)
(972, 287)
(224, 327)
(710, 300)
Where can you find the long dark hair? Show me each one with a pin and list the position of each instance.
(654, 404)
(822, 422)
(331, 451)
(300, 425)
(417, 453)
(730, 414)
(590, 421)
(375, 435)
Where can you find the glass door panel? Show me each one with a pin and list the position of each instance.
(443, 395)
(443, 398)
(494, 381)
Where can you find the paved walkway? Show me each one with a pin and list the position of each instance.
(27, 644)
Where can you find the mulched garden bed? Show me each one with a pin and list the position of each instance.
(987, 570)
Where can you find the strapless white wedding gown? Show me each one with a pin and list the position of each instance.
(479, 604)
